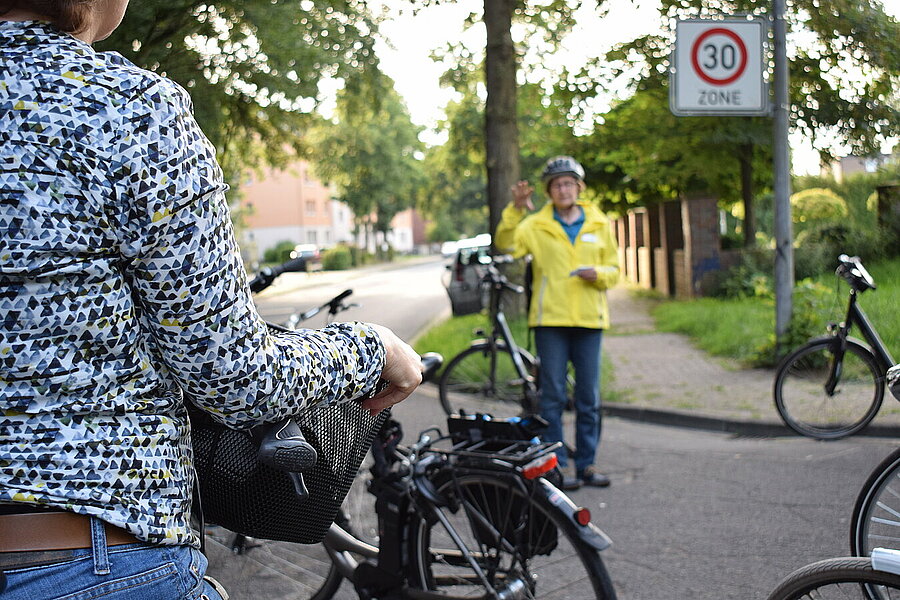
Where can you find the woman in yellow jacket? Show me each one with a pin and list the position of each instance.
(574, 259)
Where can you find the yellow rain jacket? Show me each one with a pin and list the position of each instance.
(558, 298)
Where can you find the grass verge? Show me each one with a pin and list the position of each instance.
(738, 327)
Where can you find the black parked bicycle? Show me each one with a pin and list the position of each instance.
(493, 370)
(494, 374)
(873, 573)
(469, 514)
(876, 514)
(833, 386)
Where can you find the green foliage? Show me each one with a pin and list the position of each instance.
(810, 301)
(280, 252)
(743, 327)
(733, 328)
(252, 66)
(360, 257)
(371, 152)
(337, 259)
(815, 207)
(844, 71)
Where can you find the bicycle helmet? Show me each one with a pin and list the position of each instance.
(561, 165)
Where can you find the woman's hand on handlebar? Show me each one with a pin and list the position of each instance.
(402, 370)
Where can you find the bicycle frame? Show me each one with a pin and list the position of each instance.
(501, 325)
(413, 495)
(856, 316)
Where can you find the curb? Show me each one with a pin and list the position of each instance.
(687, 420)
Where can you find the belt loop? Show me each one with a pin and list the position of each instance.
(98, 543)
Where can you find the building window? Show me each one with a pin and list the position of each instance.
(310, 207)
(311, 237)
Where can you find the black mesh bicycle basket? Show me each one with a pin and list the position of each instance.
(239, 493)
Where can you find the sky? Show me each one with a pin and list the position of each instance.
(410, 38)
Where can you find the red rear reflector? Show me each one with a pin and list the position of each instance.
(583, 516)
(539, 466)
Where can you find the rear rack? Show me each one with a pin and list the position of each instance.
(515, 452)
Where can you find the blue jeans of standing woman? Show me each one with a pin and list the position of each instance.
(556, 347)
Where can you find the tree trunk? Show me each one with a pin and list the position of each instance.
(500, 126)
(746, 159)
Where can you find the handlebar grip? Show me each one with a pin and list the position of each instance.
(341, 296)
(432, 361)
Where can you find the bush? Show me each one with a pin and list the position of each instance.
(752, 278)
(280, 252)
(359, 257)
(817, 206)
(337, 259)
(811, 300)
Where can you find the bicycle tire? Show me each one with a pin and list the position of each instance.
(847, 577)
(876, 513)
(804, 404)
(468, 383)
(546, 572)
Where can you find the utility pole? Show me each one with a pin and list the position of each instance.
(784, 249)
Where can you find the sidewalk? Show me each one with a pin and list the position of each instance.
(661, 377)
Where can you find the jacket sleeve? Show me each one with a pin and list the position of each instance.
(508, 237)
(608, 269)
(191, 291)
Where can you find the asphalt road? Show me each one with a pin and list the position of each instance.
(692, 514)
(406, 298)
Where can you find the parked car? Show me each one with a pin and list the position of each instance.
(311, 253)
(464, 272)
(448, 249)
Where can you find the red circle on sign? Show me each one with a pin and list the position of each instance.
(740, 44)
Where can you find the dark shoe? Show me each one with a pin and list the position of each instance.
(591, 478)
(571, 483)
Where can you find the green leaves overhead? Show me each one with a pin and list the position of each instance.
(253, 67)
(371, 151)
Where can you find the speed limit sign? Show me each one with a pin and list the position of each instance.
(717, 68)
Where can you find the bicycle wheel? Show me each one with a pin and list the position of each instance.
(303, 571)
(537, 553)
(806, 406)
(876, 514)
(844, 578)
(481, 380)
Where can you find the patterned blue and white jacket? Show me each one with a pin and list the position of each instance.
(121, 287)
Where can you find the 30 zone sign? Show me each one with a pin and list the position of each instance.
(717, 68)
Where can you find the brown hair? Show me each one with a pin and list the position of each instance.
(68, 15)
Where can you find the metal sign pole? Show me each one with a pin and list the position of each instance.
(784, 250)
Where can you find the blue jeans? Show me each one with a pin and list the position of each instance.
(556, 347)
(126, 572)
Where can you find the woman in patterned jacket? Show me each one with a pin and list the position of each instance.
(121, 288)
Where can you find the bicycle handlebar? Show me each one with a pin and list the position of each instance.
(284, 447)
(853, 271)
(267, 275)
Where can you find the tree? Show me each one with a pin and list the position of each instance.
(842, 82)
(643, 153)
(550, 19)
(253, 67)
(371, 151)
(456, 188)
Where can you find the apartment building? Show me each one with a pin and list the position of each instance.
(291, 204)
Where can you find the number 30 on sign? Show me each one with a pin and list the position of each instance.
(717, 68)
